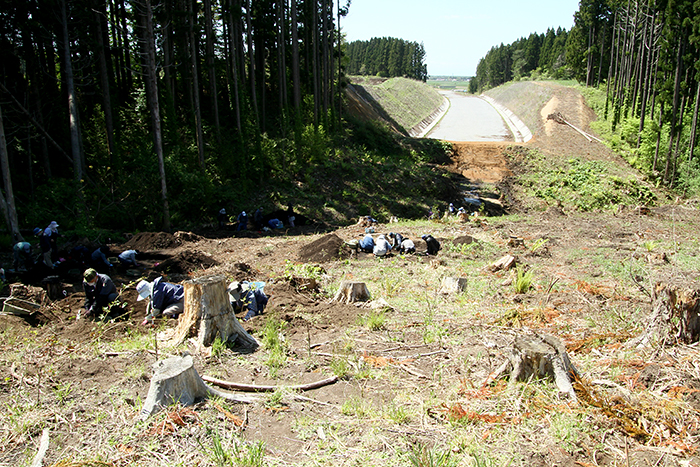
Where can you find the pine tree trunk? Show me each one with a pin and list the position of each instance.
(195, 87)
(7, 201)
(72, 104)
(208, 24)
(153, 104)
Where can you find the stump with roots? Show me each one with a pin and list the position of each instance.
(674, 317)
(350, 292)
(541, 356)
(176, 381)
(208, 314)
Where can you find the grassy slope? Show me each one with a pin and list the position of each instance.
(406, 101)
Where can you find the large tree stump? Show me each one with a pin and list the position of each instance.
(351, 292)
(176, 381)
(674, 316)
(541, 356)
(208, 314)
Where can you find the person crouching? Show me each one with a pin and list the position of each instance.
(164, 299)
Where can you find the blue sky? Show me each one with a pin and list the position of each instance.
(456, 33)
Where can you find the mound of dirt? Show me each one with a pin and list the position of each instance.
(325, 249)
(186, 262)
(145, 241)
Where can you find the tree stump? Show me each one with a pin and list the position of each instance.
(452, 285)
(351, 292)
(176, 381)
(541, 356)
(208, 314)
(674, 317)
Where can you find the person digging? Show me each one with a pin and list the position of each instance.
(164, 299)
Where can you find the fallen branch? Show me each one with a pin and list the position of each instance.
(266, 388)
(43, 447)
(559, 118)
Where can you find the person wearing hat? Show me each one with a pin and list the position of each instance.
(51, 236)
(221, 217)
(242, 221)
(248, 296)
(100, 291)
(164, 299)
(22, 253)
(381, 247)
(396, 240)
(433, 245)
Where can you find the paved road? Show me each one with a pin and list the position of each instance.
(470, 119)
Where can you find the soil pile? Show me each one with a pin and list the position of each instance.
(145, 241)
(186, 262)
(325, 249)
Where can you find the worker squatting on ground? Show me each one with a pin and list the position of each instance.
(164, 299)
(99, 261)
(22, 256)
(248, 296)
(381, 246)
(100, 291)
(367, 244)
(127, 258)
(433, 245)
(407, 246)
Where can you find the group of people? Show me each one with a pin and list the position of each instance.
(243, 220)
(396, 242)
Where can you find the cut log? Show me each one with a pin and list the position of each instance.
(208, 314)
(541, 356)
(176, 381)
(452, 285)
(350, 292)
(504, 263)
(674, 317)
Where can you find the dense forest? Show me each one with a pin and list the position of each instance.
(536, 54)
(387, 57)
(644, 55)
(139, 113)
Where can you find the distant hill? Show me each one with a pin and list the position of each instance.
(403, 104)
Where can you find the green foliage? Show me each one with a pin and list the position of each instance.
(523, 280)
(386, 57)
(274, 343)
(305, 270)
(422, 456)
(584, 185)
(374, 320)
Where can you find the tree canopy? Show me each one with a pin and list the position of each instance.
(387, 57)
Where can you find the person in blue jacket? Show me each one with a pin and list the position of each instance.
(164, 299)
(367, 244)
(248, 296)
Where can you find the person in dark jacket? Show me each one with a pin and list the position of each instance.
(99, 261)
(433, 245)
(395, 239)
(22, 256)
(163, 297)
(100, 291)
(242, 221)
(248, 296)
